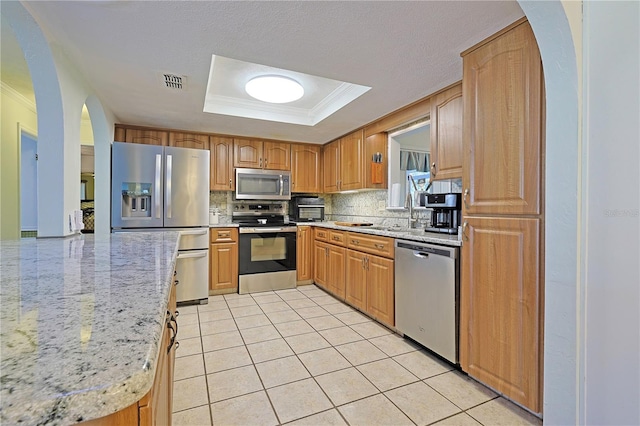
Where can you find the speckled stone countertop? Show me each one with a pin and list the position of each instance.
(223, 225)
(81, 321)
(412, 235)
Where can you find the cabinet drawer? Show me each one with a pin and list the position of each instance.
(224, 235)
(337, 237)
(381, 246)
(321, 234)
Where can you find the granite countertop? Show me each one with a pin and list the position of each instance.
(223, 225)
(81, 321)
(411, 235)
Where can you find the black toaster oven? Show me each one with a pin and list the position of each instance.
(306, 209)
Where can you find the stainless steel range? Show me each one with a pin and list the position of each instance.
(267, 247)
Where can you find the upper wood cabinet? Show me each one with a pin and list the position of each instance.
(331, 166)
(305, 168)
(147, 137)
(376, 174)
(502, 96)
(189, 140)
(351, 161)
(257, 154)
(501, 308)
(446, 134)
(222, 176)
(343, 161)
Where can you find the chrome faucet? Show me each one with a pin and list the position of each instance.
(409, 204)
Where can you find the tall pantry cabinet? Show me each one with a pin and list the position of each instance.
(503, 215)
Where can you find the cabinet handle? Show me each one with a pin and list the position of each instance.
(177, 314)
(464, 197)
(379, 246)
(326, 252)
(229, 183)
(464, 230)
(363, 267)
(265, 162)
(356, 242)
(433, 166)
(366, 262)
(335, 238)
(261, 162)
(176, 282)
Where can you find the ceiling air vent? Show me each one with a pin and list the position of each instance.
(173, 81)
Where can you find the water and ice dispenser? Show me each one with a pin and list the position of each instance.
(136, 199)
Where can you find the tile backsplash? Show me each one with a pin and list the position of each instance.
(365, 206)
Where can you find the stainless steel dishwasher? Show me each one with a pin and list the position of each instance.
(427, 294)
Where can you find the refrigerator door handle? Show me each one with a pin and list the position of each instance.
(157, 194)
(168, 186)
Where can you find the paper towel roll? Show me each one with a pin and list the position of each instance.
(396, 195)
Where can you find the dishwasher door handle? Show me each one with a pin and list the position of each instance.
(421, 254)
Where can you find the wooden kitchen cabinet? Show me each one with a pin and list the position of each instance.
(223, 261)
(376, 174)
(370, 285)
(356, 288)
(257, 154)
(501, 306)
(222, 175)
(331, 167)
(502, 96)
(304, 255)
(446, 134)
(306, 168)
(189, 140)
(156, 407)
(320, 263)
(146, 136)
(329, 261)
(351, 161)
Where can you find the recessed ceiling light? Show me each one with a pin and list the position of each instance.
(274, 89)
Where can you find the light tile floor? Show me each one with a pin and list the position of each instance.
(302, 357)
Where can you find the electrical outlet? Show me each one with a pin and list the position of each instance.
(382, 205)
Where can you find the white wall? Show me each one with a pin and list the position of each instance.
(612, 156)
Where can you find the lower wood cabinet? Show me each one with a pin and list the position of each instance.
(223, 261)
(156, 406)
(370, 285)
(304, 255)
(329, 268)
(501, 307)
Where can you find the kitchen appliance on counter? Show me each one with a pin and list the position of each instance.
(266, 247)
(306, 209)
(427, 295)
(259, 184)
(158, 188)
(445, 213)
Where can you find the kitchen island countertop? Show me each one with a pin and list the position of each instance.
(412, 235)
(81, 322)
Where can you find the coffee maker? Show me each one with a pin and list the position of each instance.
(445, 213)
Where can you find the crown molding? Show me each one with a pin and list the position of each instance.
(17, 96)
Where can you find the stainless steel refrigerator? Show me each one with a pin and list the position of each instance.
(158, 188)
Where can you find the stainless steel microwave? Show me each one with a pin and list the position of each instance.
(259, 184)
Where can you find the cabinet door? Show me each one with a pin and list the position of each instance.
(222, 175)
(502, 96)
(320, 263)
(147, 137)
(331, 166)
(356, 289)
(380, 289)
(247, 153)
(375, 174)
(446, 134)
(336, 270)
(500, 306)
(276, 155)
(188, 140)
(351, 160)
(305, 168)
(223, 272)
(304, 256)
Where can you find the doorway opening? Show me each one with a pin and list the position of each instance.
(28, 183)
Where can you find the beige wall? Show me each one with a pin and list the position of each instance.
(14, 110)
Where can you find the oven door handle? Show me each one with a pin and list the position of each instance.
(267, 230)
